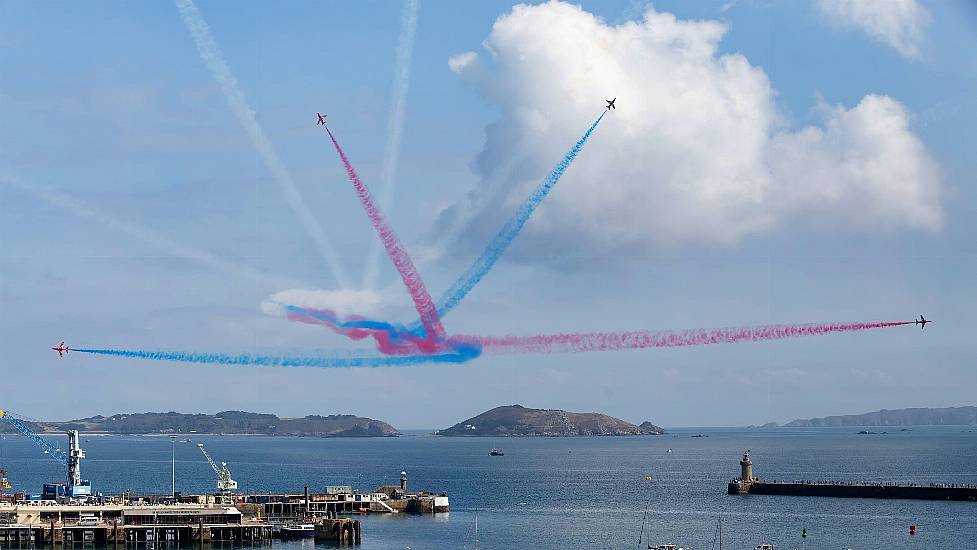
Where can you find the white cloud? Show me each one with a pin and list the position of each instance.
(696, 150)
(462, 61)
(898, 23)
(343, 302)
(865, 167)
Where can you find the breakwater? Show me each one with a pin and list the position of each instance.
(854, 490)
(748, 484)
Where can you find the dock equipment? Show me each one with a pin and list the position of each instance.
(225, 485)
(76, 486)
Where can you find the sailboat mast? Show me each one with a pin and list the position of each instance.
(720, 533)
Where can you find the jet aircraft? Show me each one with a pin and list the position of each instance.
(61, 349)
(322, 119)
(610, 103)
(922, 322)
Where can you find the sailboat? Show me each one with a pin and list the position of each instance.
(641, 535)
(719, 533)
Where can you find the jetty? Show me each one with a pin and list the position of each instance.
(199, 519)
(748, 484)
(27, 522)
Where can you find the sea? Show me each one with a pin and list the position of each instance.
(566, 493)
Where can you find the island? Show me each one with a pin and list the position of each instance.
(516, 420)
(949, 416)
(226, 422)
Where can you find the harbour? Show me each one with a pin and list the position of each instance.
(590, 490)
(186, 519)
(70, 512)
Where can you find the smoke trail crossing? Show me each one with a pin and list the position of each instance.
(395, 126)
(212, 56)
(390, 338)
(282, 361)
(398, 254)
(484, 263)
(610, 341)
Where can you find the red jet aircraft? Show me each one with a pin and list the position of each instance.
(61, 349)
(322, 119)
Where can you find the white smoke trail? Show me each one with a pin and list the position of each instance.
(212, 56)
(395, 126)
(80, 209)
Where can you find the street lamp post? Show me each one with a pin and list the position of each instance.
(173, 466)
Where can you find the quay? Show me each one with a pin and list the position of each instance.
(342, 499)
(37, 523)
(748, 484)
(199, 519)
(70, 512)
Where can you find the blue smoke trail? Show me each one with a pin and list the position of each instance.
(461, 355)
(467, 281)
(327, 317)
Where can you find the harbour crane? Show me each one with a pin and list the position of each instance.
(225, 485)
(71, 459)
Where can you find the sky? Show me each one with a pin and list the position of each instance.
(163, 186)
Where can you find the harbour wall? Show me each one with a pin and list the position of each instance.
(854, 490)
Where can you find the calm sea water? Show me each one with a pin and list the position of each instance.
(560, 493)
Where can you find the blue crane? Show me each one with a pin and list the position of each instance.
(76, 487)
(22, 427)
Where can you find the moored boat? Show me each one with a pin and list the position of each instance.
(298, 531)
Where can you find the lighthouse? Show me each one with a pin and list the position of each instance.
(743, 484)
(746, 467)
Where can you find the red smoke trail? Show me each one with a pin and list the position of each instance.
(398, 255)
(609, 341)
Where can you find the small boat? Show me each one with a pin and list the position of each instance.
(668, 451)
(496, 452)
(298, 531)
(652, 546)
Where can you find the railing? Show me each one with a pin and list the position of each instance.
(861, 483)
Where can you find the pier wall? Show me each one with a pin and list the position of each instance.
(855, 490)
(17, 535)
(341, 530)
(419, 505)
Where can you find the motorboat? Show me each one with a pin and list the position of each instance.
(298, 531)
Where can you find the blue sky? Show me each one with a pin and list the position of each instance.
(122, 165)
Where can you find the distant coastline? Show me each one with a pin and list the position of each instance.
(909, 417)
(223, 423)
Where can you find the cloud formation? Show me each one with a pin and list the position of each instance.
(343, 302)
(696, 151)
(898, 23)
